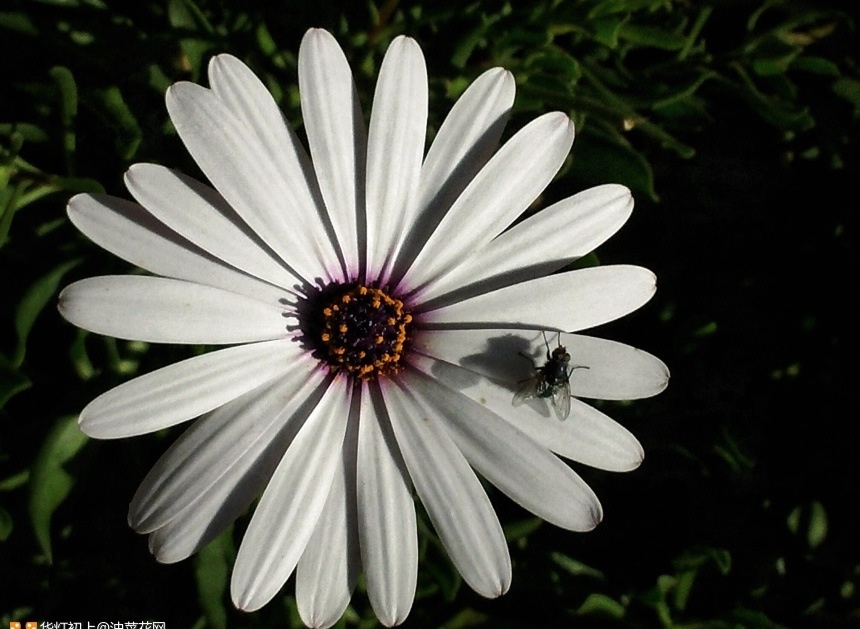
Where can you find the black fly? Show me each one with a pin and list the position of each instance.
(552, 380)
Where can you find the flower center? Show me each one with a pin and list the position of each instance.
(359, 330)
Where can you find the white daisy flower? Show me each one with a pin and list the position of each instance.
(380, 312)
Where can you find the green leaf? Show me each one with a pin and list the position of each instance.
(623, 112)
(212, 569)
(606, 30)
(817, 525)
(607, 7)
(774, 110)
(50, 483)
(695, 31)
(27, 131)
(186, 15)
(557, 63)
(444, 575)
(521, 528)
(601, 605)
(465, 47)
(18, 22)
(601, 158)
(12, 381)
(15, 481)
(723, 560)
(730, 451)
(80, 357)
(574, 567)
(809, 522)
(753, 619)
(772, 66)
(683, 587)
(651, 36)
(40, 293)
(265, 41)
(128, 133)
(696, 558)
(848, 89)
(10, 201)
(681, 92)
(467, 618)
(5, 524)
(68, 109)
(816, 65)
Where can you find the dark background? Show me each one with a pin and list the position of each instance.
(744, 511)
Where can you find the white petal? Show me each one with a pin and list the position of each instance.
(464, 143)
(568, 301)
(456, 502)
(527, 472)
(161, 310)
(395, 147)
(130, 232)
(387, 525)
(504, 188)
(245, 95)
(200, 214)
(195, 527)
(544, 242)
(241, 169)
(337, 137)
(291, 505)
(206, 515)
(189, 388)
(587, 436)
(615, 371)
(221, 447)
(328, 569)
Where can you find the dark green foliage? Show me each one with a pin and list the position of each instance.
(735, 124)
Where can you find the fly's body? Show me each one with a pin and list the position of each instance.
(551, 381)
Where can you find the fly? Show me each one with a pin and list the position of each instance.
(551, 381)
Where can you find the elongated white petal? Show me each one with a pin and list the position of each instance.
(512, 461)
(615, 371)
(198, 213)
(161, 310)
(395, 148)
(130, 232)
(204, 520)
(498, 194)
(336, 136)
(544, 242)
(206, 517)
(241, 169)
(195, 522)
(387, 525)
(456, 502)
(328, 569)
(220, 448)
(189, 388)
(324, 578)
(291, 505)
(464, 143)
(246, 96)
(571, 301)
(587, 436)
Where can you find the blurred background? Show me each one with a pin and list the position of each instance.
(734, 122)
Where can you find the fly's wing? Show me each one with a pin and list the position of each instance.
(527, 391)
(561, 400)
